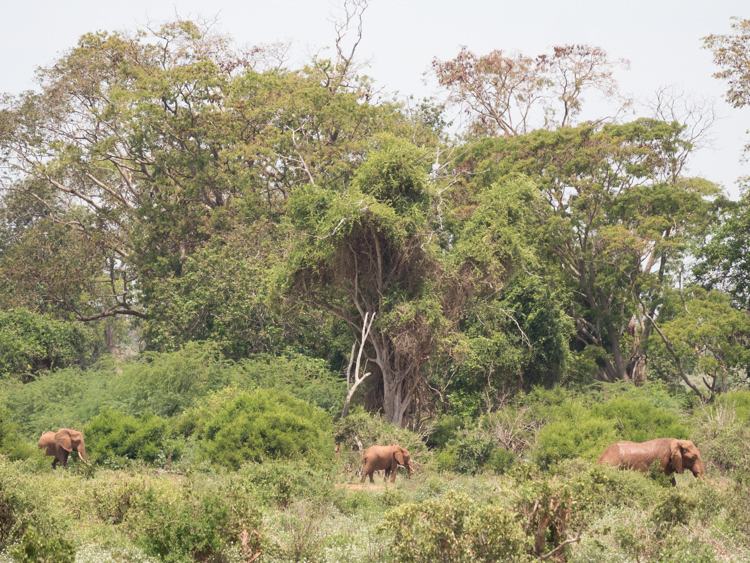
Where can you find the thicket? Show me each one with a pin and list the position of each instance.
(31, 344)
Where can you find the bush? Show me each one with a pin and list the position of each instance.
(38, 548)
(31, 343)
(27, 518)
(11, 443)
(579, 431)
(370, 430)
(112, 435)
(235, 427)
(282, 481)
(455, 528)
(198, 521)
(723, 437)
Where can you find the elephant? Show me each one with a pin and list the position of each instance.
(59, 445)
(387, 458)
(673, 455)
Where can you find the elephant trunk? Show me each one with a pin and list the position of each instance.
(699, 471)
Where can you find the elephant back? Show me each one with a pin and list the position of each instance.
(47, 442)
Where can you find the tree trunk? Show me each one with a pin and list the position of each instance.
(110, 340)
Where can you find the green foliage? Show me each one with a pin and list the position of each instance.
(722, 434)
(173, 520)
(11, 442)
(444, 430)
(37, 548)
(469, 452)
(234, 428)
(455, 528)
(280, 482)
(194, 523)
(31, 343)
(578, 431)
(162, 384)
(166, 384)
(113, 434)
(370, 430)
(723, 262)
(29, 517)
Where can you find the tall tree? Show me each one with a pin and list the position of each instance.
(732, 53)
(152, 148)
(618, 219)
(513, 94)
(374, 250)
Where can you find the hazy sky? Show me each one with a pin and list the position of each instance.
(661, 38)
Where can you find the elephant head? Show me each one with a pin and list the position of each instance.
(684, 455)
(403, 458)
(59, 445)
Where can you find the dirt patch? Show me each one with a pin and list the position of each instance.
(359, 486)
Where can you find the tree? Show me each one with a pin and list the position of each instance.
(618, 219)
(724, 261)
(148, 153)
(374, 250)
(513, 94)
(371, 251)
(732, 53)
(711, 337)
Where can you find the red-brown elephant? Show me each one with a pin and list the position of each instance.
(674, 456)
(387, 458)
(59, 445)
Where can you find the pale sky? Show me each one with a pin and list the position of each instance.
(660, 38)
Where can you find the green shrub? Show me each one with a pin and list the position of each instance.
(28, 517)
(473, 451)
(38, 548)
(500, 461)
(640, 421)
(113, 434)
(455, 528)
(11, 443)
(31, 343)
(444, 430)
(280, 482)
(235, 427)
(359, 425)
(723, 437)
(580, 431)
(198, 521)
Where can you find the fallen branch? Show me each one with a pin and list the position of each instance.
(563, 544)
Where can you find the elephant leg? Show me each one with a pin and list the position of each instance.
(64, 460)
(54, 463)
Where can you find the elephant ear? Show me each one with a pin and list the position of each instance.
(62, 439)
(676, 458)
(398, 454)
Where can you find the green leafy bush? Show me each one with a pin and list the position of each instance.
(455, 528)
(31, 343)
(723, 437)
(467, 452)
(11, 442)
(113, 434)
(28, 518)
(279, 482)
(580, 431)
(359, 425)
(38, 548)
(236, 427)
